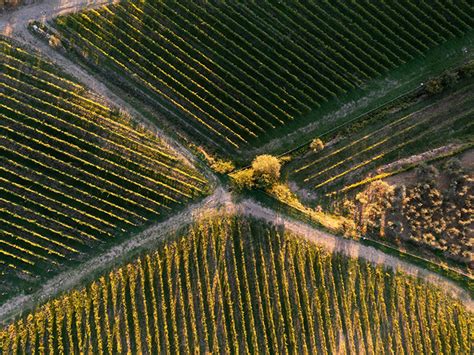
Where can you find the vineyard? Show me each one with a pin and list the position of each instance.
(230, 73)
(74, 174)
(373, 152)
(236, 177)
(235, 285)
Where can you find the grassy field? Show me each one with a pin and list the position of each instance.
(74, 174)
(238, 285)
(232, 73)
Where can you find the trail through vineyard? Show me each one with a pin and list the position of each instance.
(14, 24)
(353, 249)
(219, 202)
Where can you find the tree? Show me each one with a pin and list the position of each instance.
(372, 204)
(316, 145)
(266, 170)
(427, 174)
(453, 168)
(467, 71)
(450, 79)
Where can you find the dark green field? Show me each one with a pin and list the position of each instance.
(234, 74)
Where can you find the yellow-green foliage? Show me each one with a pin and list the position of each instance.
(243, 179)
(264, 173)
(239, 285)
(335, 224)
(266, 170)
(222, 166)
(316, 145)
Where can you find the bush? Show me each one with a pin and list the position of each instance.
(434, 86)
(453, 168)
(283, 193)
(450, 79)
(222, 166)
(467, 70)
(372, 204)
(266, 170)
(243, 179)
(316, 145)
(427, 174)
(54, 41)
(349, 229)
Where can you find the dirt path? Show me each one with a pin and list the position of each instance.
(13, 24)
(353, 249)
(117, 255)
(219, 202)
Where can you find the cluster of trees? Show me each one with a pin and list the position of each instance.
(435, 217)
(449, 78)
(425, 213)
(264, 173)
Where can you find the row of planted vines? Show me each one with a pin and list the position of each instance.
(385, 147)
(235, 285)
(231, 72)
(73, 173)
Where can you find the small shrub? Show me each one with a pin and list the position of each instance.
(283, 193)
(427, 174)
(450, 79)
(434, 86)
(222, 166)
(348, 229)
(453, 168)
(467, 70)
(243, 179)
(316, 145)
(54, 41)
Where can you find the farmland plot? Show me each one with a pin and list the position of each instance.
(74, 174)
(230, 73)
(372, 152)
(233, 285)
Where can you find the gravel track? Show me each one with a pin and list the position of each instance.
(13, 24)
(115, 256)
(353, 249)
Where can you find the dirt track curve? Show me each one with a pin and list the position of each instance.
(14, 24)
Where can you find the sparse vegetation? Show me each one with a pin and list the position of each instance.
(422, 213)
